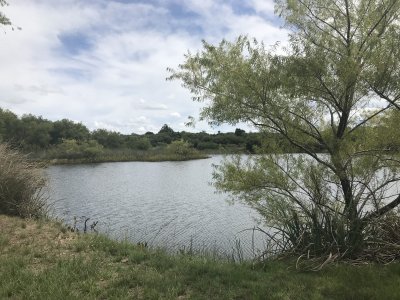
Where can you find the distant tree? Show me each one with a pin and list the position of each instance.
(165, 136)
(109, 139)
(206, 145)
(67, 129)
(253, 141)
(29, 132)
(8, 124)
(101, 136)
(34, 132)
(385, 132)
(138, 142)
(166, 130)
(143, 143)
(239, 132)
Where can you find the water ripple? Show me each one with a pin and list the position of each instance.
(168, 204)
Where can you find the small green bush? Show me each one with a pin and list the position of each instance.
(181, 149)
(21, 185)
(73, 149)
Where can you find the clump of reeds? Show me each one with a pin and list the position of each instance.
(319, 241)
(383, 239)
(21, 185)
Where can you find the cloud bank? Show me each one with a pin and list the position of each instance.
(103, 62)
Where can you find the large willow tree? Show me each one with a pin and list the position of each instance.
(340, 74)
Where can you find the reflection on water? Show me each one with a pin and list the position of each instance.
(166, 204)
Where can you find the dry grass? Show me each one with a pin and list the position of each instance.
(21, 185)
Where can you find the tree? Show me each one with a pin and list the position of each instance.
(108, 139)
(3, 19)
(239, 132)
(386, 130)
(67, 129)
(8, 124)
(34, 132)
(167, 130)
(313, 96)
(138, 142)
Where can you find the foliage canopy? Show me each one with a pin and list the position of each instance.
(44, 137)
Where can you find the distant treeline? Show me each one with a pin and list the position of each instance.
(71, 140)
(65, 138)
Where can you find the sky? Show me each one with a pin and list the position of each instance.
(103, 62)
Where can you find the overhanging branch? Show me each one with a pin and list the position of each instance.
(383, 210)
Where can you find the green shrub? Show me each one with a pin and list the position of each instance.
(207, 145)
(73, 149)
(181, 149)
(21, 185)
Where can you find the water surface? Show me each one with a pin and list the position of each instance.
(166, 204)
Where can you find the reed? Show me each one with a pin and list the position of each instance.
(21, 185)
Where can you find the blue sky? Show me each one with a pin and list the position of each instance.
(103, 62)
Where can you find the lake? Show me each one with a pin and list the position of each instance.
(171, 205)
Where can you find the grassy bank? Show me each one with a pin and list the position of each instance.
(121, 158)
(118, 155)
(42, 260)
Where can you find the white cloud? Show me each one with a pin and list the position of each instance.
(175, 114)
(116, 81)
(262, 6)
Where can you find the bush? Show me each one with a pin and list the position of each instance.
(139, 143)
(21, 185)
(207, 145)
(73, 149)
(181, 149)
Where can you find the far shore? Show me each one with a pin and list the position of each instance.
(62, 161)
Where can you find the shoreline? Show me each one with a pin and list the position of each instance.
(65, 161)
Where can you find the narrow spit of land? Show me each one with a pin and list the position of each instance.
(43, 260)
(120, 158)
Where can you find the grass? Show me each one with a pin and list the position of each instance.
(42, 260)
(21, 184)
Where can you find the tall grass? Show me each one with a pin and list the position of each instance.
(21, 185)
